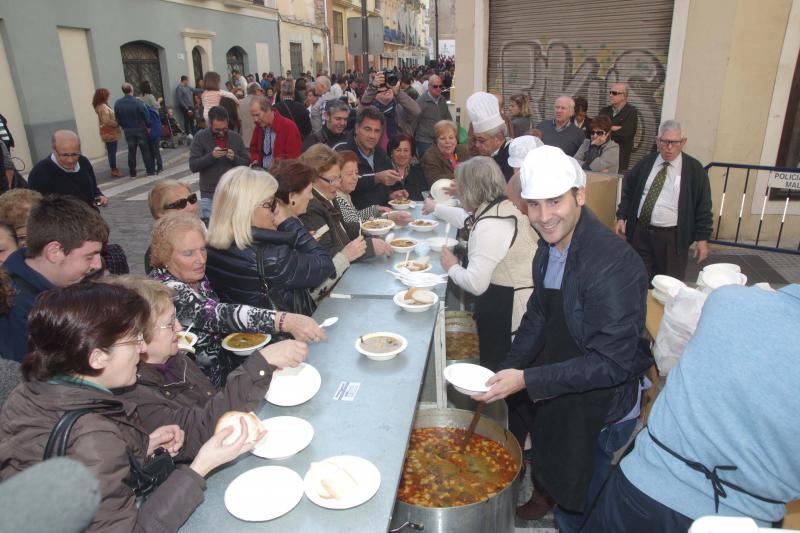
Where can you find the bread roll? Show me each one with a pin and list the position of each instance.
(231, 419)
(335, 483)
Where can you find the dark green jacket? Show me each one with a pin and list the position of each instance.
(694, 203)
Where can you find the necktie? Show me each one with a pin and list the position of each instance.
(652, 194)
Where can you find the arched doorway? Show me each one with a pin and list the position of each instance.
(197, 63)
(140, 62)
(235, 59)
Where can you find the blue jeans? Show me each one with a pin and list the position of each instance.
(138, 138)
(611, 438)
(155, 153)
(205, 207)
(111, 150)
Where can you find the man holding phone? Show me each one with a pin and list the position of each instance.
(214, 151)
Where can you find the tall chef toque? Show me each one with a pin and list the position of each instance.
(547, 172)
(484, 112)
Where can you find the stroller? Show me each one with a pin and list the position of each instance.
(172, 134)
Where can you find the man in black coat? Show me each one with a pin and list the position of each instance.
(334, 130)
(293, 110)
(624, 122)
(578, 352)
(666, 206)
(66, 171)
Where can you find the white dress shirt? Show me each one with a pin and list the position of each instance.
(665, 212)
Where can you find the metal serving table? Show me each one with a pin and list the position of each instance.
(375, 425)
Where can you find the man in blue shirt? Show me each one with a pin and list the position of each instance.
(578, 352)
(134, 119)
(63, 246)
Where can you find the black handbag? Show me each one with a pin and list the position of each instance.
(143, 479)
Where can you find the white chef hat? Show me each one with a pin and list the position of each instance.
(520, 147)
(548, 172)
(484, 112)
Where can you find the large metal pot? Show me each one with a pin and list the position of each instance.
(495, 514)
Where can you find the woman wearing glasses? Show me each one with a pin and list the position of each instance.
(85, 341)
(179, 256)
(167, 377)
(342, 239)
(169, 196)
(599, 153)
(259, 252)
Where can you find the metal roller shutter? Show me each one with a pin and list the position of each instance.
(580, 47)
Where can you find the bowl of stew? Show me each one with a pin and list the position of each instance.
(381, 346)
(245, 343)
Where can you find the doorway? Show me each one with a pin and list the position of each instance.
(141, 62)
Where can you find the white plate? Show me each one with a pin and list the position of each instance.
(246, 351)
(661, 296)
(440, 190)
(366, 475)
(732, 267)
(286, 435)
(399, 299)
(293, 386)
(389, 224)
(467, 378)
(431, 227)
(384, 356)
(437, 243)
(264, 493)
(403, 249)
(715, 279)
(400, 266)
(667, 285)
(407, 205)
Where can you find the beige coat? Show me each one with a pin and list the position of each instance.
(109, 128)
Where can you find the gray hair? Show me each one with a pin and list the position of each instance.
(497, 130)
(335, 106)
(127, 88)
(479, 180)
(625, 86)
(671, 124)
(323, 82)
(287, 89)
(253, 88)
(569, 99)
(263, 103)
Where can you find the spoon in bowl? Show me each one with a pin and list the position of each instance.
(329, 322)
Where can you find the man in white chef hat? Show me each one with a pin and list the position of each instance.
(489, 129)
(578, 351)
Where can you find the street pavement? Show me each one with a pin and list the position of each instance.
(127, 213)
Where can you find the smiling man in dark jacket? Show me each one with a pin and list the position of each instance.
(578, 352)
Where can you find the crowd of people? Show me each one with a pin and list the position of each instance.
(288, 171)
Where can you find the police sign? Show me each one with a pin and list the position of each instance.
(784, 180)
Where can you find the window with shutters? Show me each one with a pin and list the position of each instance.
(338, 28)
(296, 58)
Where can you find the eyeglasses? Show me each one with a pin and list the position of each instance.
(138, 340)
(70, 154)
(334, 181)
(269, 204)
(670, 143)
(170, 326)
(181, 204)
(434, 86)
(598, 132)
(615, 93)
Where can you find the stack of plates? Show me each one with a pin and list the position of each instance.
(666, 287)
(719, 274)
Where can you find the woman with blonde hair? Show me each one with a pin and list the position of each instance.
(179, 256)
(519, 109)
(109, 128)
(259, 252)
(441, 160)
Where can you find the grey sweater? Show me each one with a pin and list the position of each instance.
(211, 168)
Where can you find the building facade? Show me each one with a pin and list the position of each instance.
(303, 36)
(728, 70)
(53, 55)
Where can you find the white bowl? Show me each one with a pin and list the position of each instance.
(440, 190)
(715, 279)
(401, 268)
(383, 356)
(386, 226)
(245, 351)
(399, 299)
(402, 205)
(403, 249)
(467, 378)
(667, 285)
(731, 267)
(437, 243)
(428, 227)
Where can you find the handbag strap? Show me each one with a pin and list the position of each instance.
(59, 436)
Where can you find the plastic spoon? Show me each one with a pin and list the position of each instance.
(328, 322)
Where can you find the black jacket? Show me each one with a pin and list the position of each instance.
(297, 113)
(628, 120)
(369, 192)
(694, 203)
(327, 137)
(604, 290)
(322, 212)
(276, 272)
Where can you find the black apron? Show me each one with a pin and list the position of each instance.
(565, 428)
(493, 310)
